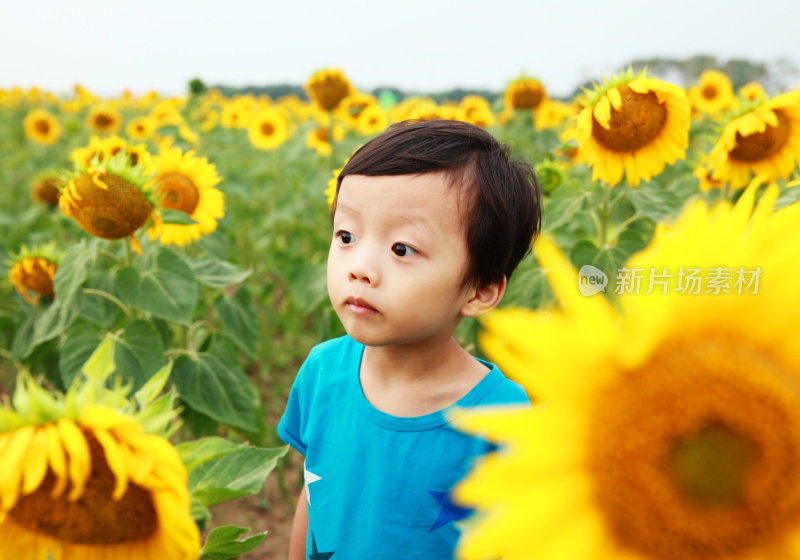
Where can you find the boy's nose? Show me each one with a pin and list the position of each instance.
(363, 270)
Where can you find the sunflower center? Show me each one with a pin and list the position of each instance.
(330, 91)
(103, 121)
(177, 192)
(38, 279)
(47, 190)
(321, 134)
(111, 213)
(527, 97)
(94, 518)
(686, 473)
(267, 128)
(42, 126)
(761, 145)
(710, 92)
(640, 119)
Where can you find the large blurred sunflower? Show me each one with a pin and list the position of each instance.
(327, 88)
(104, 118)
(764, 140)
(633, 125)
(675, 432)
(80, 479)
(713, 94)
(185, 183)
(42, 127)
(32, 272)
(268, 129)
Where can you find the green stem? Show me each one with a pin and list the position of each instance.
(105, 295)
(603, 217)
(624, 225)
(128, 252)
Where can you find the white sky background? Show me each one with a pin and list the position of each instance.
(416, 45)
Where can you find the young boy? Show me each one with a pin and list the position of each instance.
(429, 222)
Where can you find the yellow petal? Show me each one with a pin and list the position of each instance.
(35, 462)
(56, 459)
(115, 462)
(12, 472)
(79, 464)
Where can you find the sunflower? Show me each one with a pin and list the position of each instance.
(32, 272)
(46, 188)
(268, 129)
(551, 114)
(713, 94)
(42, 127)
(524, 93)
(104, 118)
(109, 198)
(633, 125)
(764, 140)
(675, 432)
(372, 120)
(752, 91)
(477, 111)
(141, 128)
(322, 138)
(327, 88)
(186, 183)
(82, 479)
(350, 108)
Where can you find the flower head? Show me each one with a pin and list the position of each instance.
(327, 88)
(633, 125)
(185, 183)
(713, 94)
(524, 93)
(268, 129)
(674, 432)
(90, 474)
(32, 272)
(763, 140)
(42, 127)
(104, 119)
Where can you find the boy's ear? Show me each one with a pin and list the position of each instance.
(484, 299)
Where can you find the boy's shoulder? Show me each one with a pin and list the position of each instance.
(340, 354)
(504, 390)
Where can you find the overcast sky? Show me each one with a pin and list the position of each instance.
(416, 45)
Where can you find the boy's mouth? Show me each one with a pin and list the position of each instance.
(359, 306)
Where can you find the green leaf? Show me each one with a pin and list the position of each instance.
(76, 350)
(223, 543)
(217, 389)
(787, 197)
(239, 321)
(194, 453)
(238, 474)
(654, 202)
(73, 270)
(139, 354)
(170, 288)
(218, 274)
(176, 217)
(58, 318)
(563, 204)
(127, 285)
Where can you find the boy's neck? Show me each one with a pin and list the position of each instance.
(418, 380)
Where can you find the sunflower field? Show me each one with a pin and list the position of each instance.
(163, 266)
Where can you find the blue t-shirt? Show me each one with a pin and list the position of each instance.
(378, 484)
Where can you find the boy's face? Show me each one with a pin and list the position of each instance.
(398, 258)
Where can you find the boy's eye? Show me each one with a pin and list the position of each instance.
(345, 236)
(403, 250)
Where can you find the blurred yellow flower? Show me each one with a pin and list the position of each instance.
(322, 138)
(268, 129)
(372, 120)
(32, 272)
(141, 128)
(713, 94)
(524, 93)
(104, 119)
(674, 432)
(327, 88)
(42, 127)
(46, 188)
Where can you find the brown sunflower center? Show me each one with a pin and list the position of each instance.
(267, 128)
(111, 213)
(527, 97)
(694, 454)
(640, 119)
(36, 277)
(177, 192)
(329, 91)
(94, 518)
(321, 134)
(47, 190)
(709, 92)
(761, 145)
(42, 126)
(103, 121)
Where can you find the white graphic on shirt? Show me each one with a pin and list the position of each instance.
(309, 477)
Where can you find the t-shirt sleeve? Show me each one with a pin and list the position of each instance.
(290, 426)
